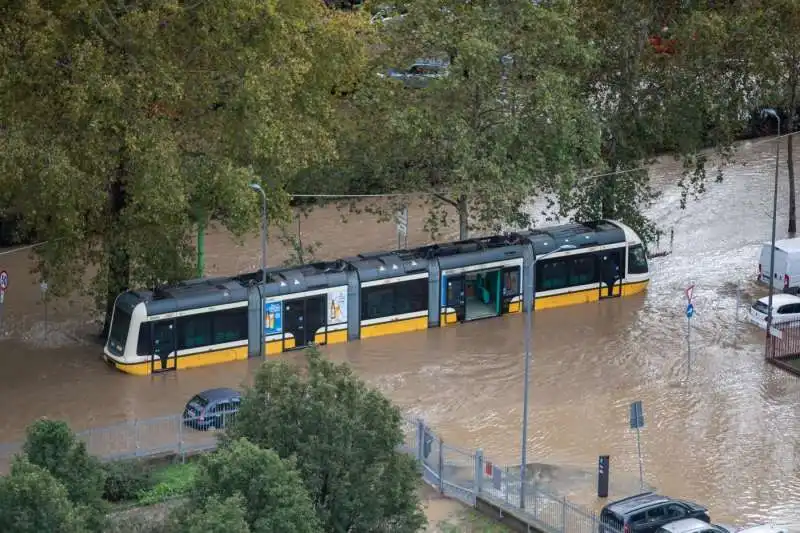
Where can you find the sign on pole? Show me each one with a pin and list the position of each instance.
(637, 422)
(43, 288)
(401, 219)
(3, 287)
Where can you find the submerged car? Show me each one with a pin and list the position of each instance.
(212, 409)
(420, 74)
(647, 512)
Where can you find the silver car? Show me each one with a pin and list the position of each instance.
(693, 525)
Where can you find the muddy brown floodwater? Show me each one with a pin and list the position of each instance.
(724, 435)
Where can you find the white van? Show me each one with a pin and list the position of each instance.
(787, 265)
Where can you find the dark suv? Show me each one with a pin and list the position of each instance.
(646, 512)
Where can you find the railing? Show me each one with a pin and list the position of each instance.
(465, 475)
(783, 346)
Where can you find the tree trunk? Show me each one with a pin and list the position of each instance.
(463, 218)
(118, 262)
(608, 204)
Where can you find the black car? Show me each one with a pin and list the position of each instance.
(646, 512)
(212, 409)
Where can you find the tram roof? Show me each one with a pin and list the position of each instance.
(306, 277)
(382, 265)
(597, 233)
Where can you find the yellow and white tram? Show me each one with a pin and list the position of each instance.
(208, 321)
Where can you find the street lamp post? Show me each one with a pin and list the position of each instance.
(773, 113)
(256, 187)
(528, 342)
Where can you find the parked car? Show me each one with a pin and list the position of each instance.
(785, 308)
(212, 409)
(787, 265)
(693, 525)
(647, 512)
(420, 74)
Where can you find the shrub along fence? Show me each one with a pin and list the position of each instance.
(466, 475)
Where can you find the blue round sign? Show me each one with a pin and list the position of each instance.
(689, 311)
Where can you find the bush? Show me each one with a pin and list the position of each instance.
(126, 479)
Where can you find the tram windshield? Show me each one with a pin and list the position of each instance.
(637, 260)
(119, 330)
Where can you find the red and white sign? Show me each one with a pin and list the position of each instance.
(689, 292)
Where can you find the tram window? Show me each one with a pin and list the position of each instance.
(194, 331)
(511, 281)
(637, 260)
(119, 327)
(377, 302)
(551, 275)
(411, 296)
(145, 344)
(582, 270)
(230, 325)
(394, 299)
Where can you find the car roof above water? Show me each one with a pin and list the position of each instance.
(687, 525)
(632, 504)
(221, 393)
(780, 299)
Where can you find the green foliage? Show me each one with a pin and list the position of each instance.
(52, 446)
(126, 479)
(344, 436)
(507, 121)
(33, 501)
(267, 491)
(170, 482)
(125, 126)
(218, 516)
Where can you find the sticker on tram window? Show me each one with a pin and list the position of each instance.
(272, 318)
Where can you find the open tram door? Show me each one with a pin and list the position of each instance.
(455, 299)
(165, 357)
(611, 273)
(302, 318)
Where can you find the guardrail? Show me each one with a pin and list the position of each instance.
(465, 475)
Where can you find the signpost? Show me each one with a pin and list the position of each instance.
(637, 422)
(401, 219)
(689, 314)
(43, 288)
(3, 288)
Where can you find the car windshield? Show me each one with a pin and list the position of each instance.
(199, 400)
(760, 307)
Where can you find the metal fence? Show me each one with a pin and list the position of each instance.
(783, 346)
(465, 475)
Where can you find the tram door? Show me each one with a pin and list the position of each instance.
(302, 318)
(455, 296)
(164, 355)
(611, 274)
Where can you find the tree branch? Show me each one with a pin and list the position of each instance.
(446, 200)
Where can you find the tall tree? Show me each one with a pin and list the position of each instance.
(268, 489)
(505, 122)
(772, 53)
(128, 126)
(33, 501)
(344, 436)
(651, 94)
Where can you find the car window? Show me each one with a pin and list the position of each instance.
(656, 513)
(199, 400)
(675, 511)
(637, 518)
(782, 310)
(415, 69)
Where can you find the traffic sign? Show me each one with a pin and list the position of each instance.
(3, 280)
(43, 286)
(689, 292)
(689, 311)
(637, 415)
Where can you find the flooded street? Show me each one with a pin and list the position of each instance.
(723, 434)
